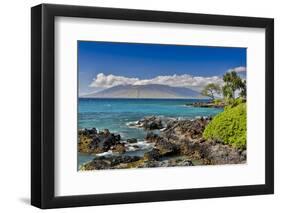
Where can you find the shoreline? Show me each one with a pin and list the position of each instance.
(176, 143)
(206, 104)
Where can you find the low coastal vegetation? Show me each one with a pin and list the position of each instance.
(230, 126)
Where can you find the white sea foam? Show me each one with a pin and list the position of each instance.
(132, 123)
(131, 149)
(108, 153)
(140, 145)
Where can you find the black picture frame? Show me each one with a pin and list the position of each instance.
(43, 114)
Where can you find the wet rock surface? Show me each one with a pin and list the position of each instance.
(91, 141)
(108, 162)
(132, 140)
(119, 148)
(150, 123)
(154, 154)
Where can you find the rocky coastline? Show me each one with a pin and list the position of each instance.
(207, 104)
(175, 143)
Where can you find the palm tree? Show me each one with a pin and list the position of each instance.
(232, 83)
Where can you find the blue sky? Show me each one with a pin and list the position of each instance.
(105, 64)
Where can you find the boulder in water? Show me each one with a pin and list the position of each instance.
(132, 140)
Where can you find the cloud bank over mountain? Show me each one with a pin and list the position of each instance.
(196, 83)
(185, 80)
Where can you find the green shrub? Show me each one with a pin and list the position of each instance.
(229, 127)
(235, 102)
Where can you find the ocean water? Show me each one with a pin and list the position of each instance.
(116, 114)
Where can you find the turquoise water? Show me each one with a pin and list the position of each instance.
(116, 114)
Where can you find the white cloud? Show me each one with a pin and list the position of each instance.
(238, 69)
(105, 81)
(185, 80)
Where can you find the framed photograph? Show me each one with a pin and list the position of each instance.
(139, 106)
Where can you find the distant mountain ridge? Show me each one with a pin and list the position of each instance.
(145, 91)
